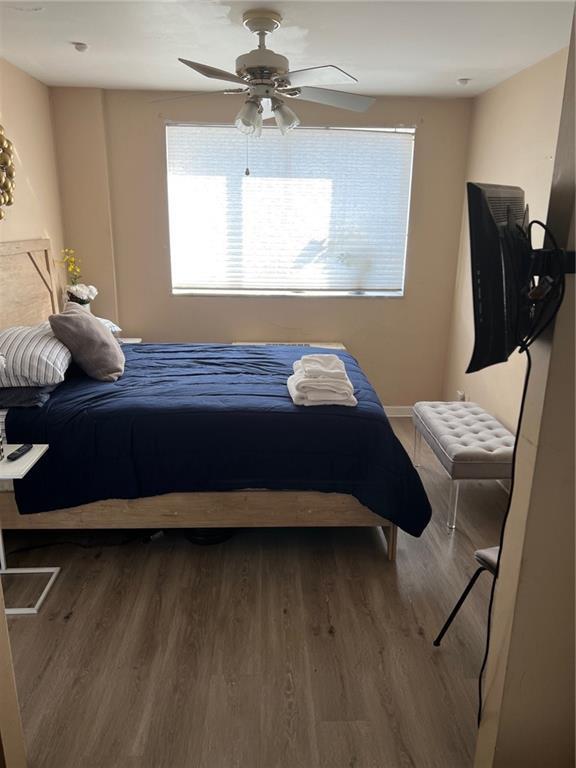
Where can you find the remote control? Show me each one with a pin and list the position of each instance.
(18, 452)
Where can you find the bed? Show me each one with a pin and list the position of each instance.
(199, 436)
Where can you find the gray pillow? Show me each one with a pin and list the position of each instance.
(92, 345)
(110, 324)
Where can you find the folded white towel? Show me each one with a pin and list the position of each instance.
(318, 395)
(321, 380)
(320, 366)
(316, 373)
(306, 385)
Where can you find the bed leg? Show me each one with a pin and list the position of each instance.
(391, 535)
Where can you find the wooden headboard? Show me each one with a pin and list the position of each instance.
(28, 289)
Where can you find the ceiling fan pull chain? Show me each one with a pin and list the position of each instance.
(247, 171)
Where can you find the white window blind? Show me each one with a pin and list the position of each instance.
(323, 211)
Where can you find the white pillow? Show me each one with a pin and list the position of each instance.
(34, 356)
(110, 324)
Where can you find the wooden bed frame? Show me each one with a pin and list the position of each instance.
(28, 294)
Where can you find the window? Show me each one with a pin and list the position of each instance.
(322, 211)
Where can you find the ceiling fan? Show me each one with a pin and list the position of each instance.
(266, 80)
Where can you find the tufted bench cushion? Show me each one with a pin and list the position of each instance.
(470, 443)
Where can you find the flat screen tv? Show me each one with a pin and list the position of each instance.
(501, 261)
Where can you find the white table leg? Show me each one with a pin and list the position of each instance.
(52, 571)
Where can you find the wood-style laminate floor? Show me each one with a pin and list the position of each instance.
(277, 649)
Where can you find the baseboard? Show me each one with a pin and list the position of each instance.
(398, 410)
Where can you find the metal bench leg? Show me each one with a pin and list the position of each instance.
(458, 605)
(454, 493)
(417, 446)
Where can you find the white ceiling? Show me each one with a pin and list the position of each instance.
(410, 48)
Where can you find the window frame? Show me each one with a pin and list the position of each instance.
(286, 292)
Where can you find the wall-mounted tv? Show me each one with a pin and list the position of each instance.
(502, 267)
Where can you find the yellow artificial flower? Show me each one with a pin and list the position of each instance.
(72, 264)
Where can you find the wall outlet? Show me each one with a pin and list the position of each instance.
(460, 395)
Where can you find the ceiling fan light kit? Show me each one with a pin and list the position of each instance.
(286, 119)
(249, 119)
(267, 80)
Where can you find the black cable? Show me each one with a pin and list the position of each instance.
(555, 268)
(194, 535)
(502, 531)
(546, 229)
(524, 346)
(67, 543)
(539, 331)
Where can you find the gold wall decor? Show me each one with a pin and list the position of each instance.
(7, 172)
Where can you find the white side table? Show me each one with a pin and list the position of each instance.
(15, 470)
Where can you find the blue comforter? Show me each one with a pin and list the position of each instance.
(207, 417)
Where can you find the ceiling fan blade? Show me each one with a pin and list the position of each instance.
(216, 74)
(327, 75)
(340, 99)
(182, 96)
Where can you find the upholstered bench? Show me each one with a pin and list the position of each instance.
(469, 443)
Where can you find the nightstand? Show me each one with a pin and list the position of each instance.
(129, 339)
(16, 470)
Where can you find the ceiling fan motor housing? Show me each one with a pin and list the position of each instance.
(262, 63)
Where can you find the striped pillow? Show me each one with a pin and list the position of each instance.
(34, 356)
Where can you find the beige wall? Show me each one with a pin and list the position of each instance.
(25, 115)
(512, 141)
(84, 187)
(400, 342)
